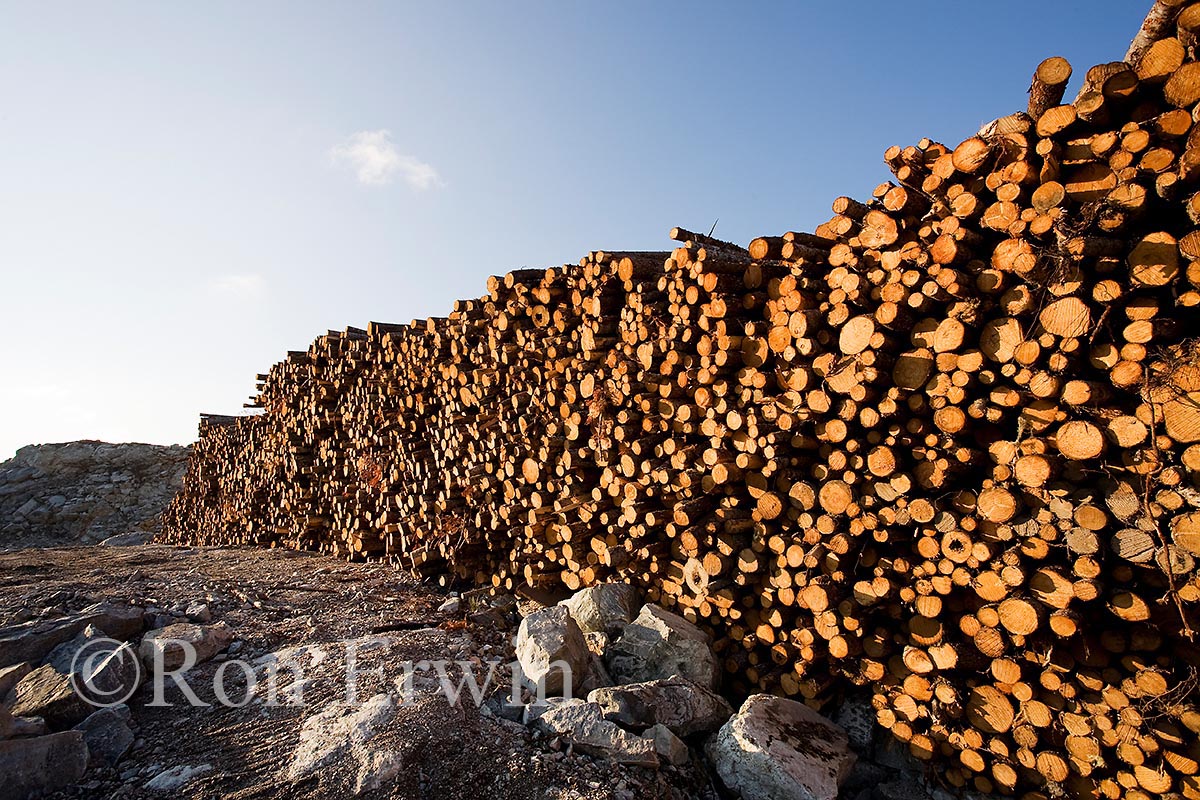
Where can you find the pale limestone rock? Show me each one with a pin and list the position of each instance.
(659, 644)
(335, 730)
(604, 608)
(176, 777)
(679, 704)
(777, 749)
(583, 725)
(546, 641)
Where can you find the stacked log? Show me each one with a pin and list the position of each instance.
(947, 446)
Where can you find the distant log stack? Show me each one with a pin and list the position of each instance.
(946, 447)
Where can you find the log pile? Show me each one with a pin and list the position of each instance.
(947, 446)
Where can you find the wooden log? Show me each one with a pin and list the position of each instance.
(1049, 83)
(1157, 25)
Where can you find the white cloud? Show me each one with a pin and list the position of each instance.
(376, 161)
(240, 286)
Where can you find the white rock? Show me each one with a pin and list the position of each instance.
(583, 725)
(346, 734)
(377, 767)
(170, 779)
(659, 644)
(605, 608)
(126, 539)
(777, 749)
(549, 640)
(679, 704)
(335, 730)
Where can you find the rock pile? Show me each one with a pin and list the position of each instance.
(86, 492)
(49, 731)
(650, 683)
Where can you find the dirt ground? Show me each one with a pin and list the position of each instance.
(275, 599)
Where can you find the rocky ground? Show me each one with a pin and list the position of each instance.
(271, 601)
(84, 492)
(645, 722)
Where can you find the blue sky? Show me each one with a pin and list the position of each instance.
(187, 191)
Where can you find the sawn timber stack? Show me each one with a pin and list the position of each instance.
(946, 447)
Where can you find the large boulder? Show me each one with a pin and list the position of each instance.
(63, 656)
(10, 676)
(117, 620)
(42, 765)
(605, 608)
(105, 676)
(47, 693)
(677, 703)
(101, 670)
(32, 641)
(107, 734)
(659, 644)
(173, 643)
(595, 676)
(777, 749)
(549, 640)
(583, 724)
(11, 727)
(346, 735)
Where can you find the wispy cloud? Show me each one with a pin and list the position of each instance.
(242, 287)
(376, 161)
